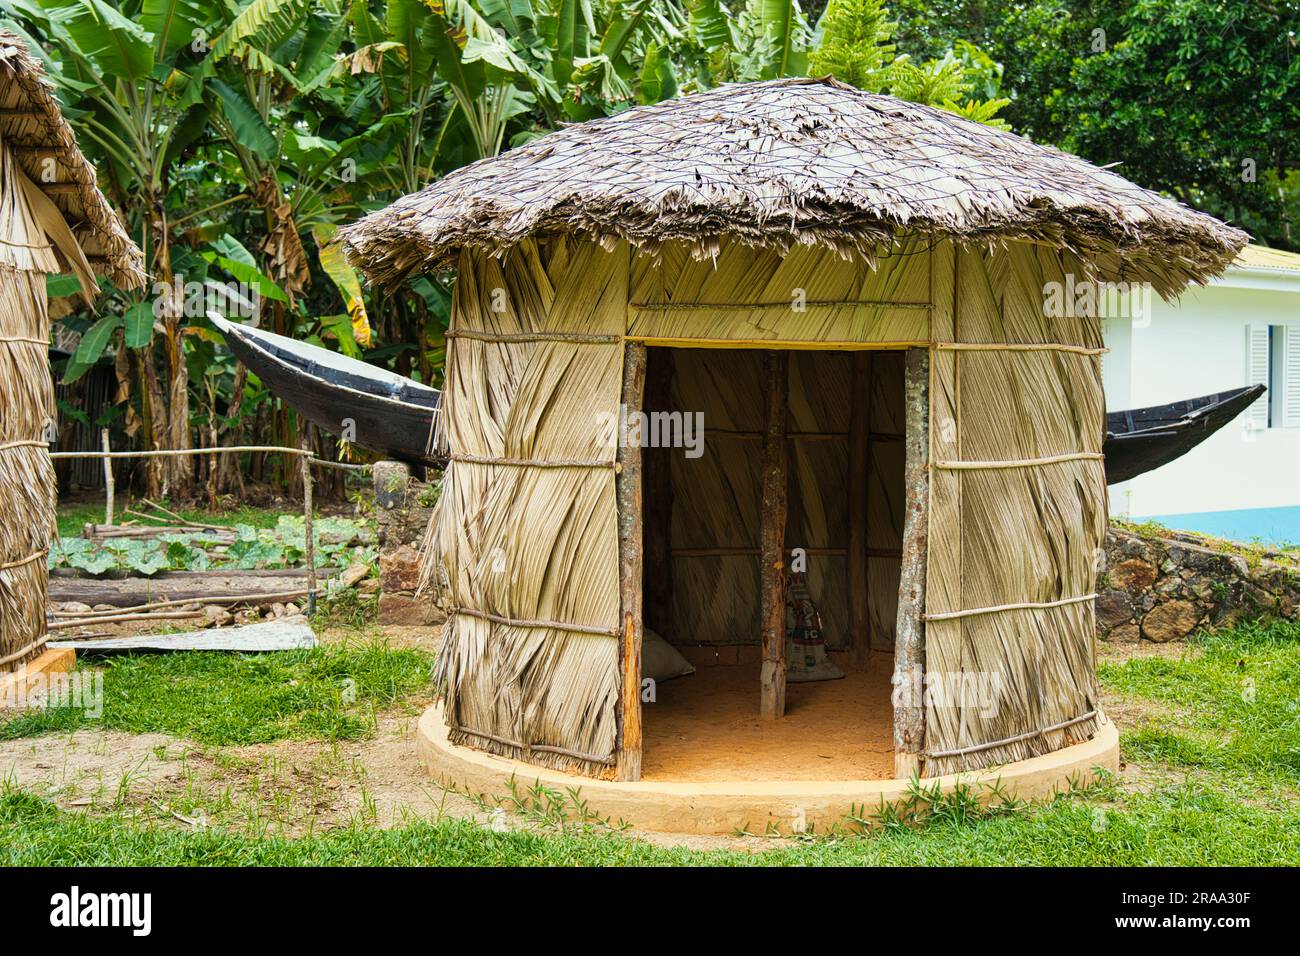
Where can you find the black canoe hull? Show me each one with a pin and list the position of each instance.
(395, 416)
(393, 420)
(1139, 440)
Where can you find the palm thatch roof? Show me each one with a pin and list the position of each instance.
(794, 162)
(44, 147)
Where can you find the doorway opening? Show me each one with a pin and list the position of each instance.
(703, 461)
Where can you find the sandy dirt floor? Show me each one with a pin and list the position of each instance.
(706, 727)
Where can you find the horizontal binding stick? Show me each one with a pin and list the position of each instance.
(24, 651)
(1019, 462)
(575, 338)
(1012, 740)
(811, 551)
(1023, 606)
(27, 443)
(535, 462)
(544, 748)
(784, 304)
(1014, 347)
(818, 345)
(35, 556)
(554, 625)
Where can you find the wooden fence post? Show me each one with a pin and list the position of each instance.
(307, 510)
(108, 477)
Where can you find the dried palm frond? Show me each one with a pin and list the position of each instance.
(531, 544)
(789, 163)
(50, 159)
(27, 483)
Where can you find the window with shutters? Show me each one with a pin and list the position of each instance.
(1290, 390)
(1273, 360)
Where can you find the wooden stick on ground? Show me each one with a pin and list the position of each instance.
(257, 599)
(158, 507)
(776, 369)
(123, 619)
(628, 492)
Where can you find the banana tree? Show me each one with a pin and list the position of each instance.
(564, 60)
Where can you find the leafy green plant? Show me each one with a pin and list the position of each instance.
(338, 541)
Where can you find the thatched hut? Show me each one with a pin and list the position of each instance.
(851, 291)
(53, 219)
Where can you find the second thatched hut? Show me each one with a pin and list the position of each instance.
(53, 219)
(852, 295)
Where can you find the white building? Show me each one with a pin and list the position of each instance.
(1244, 328)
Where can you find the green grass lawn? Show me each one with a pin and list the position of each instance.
(73, 516)
(326, 693)
(1214, 775)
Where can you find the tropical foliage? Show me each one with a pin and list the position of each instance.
(237, 135)
(1197, 98)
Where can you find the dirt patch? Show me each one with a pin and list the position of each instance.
(288, 788)
(399, 638)
(1131, 712)
(1116, 653)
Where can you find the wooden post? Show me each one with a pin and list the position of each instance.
(108, 477)
(859, 471)
(658, 499)
(307, 510)
(909, 648)
(629, 497)
(776, 374)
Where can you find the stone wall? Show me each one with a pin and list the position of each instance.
(1161, 589)
(402, 513)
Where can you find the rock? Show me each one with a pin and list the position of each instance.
(216, 616)
(1206, 559)
(1131, 546)
(1133, 575)
(353, 573)
(106, 607)
(75, 607)
(368, 586)
(291, 609)
(407, 610)
(399, 569)
(1113, 609)
(1125, 634)
(1170, 585)
(277, 609)
(1171, 621)
(391, 479)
